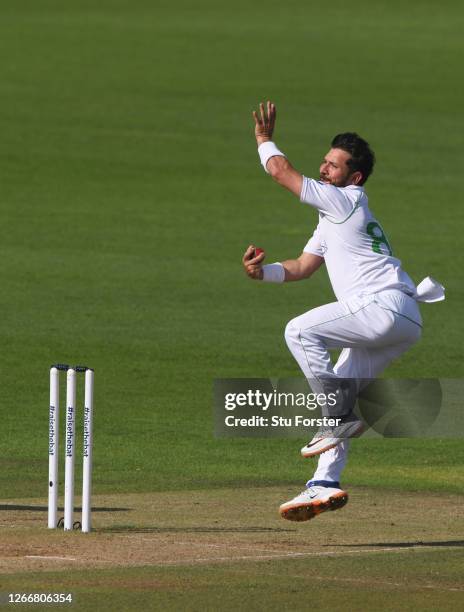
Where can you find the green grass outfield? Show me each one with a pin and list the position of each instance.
(130, 186)
(379, 583)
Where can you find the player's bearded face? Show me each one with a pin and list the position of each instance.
(334, 169)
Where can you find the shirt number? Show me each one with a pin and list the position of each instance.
(378, 237)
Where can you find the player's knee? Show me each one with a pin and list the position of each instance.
(292, 332)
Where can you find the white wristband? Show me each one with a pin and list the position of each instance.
(274, 273)
(266, 150)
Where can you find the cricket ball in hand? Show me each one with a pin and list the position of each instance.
(258, 251)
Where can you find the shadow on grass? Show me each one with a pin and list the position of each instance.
(129, 529)
(18, 507)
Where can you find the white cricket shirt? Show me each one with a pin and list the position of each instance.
(353, 244)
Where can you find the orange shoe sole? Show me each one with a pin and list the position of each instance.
(305, 512)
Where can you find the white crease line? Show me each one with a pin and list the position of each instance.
(266, 550)
(305, 554)
(50, 557)
(237, 547)
(213, 560)
(283, 554)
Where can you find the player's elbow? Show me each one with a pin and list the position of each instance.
(309, 263)
(307, 272)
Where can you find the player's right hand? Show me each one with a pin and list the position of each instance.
(253, 263)
(264, 122)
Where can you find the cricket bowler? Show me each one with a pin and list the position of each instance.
(376, 317)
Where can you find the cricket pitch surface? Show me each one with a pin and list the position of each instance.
(381, 539)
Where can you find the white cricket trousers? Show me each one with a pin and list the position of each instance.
(372, 330)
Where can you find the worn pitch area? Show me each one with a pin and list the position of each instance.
(225, 525)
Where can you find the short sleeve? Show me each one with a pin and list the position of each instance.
(337, 202)
(315, 244)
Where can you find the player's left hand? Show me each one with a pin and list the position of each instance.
(265, 122)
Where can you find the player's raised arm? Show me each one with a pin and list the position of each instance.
(274, 161)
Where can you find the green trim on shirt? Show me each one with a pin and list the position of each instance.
(344, 220)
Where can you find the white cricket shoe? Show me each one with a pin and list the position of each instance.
(328, 437)
(313, 501)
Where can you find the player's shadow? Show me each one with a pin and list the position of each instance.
(418, 544)
(20, 507)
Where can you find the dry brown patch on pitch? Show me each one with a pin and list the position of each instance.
(222, 525)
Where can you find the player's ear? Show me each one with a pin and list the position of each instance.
(356, 178)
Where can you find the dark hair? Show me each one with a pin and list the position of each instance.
(362, 156)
